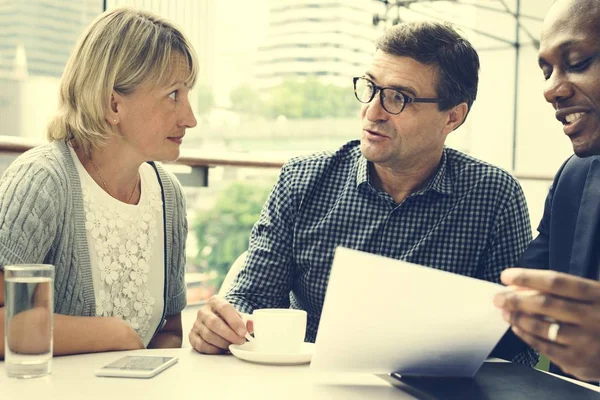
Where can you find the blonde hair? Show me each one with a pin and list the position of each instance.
(121, 50)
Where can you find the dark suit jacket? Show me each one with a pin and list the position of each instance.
(568, 233)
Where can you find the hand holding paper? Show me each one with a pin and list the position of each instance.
(395, 316)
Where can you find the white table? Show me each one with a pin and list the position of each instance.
(195, 376)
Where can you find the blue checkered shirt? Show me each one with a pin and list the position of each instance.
(471, 219)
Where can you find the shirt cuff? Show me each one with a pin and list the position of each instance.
(239, 304)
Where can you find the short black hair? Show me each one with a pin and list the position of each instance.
(438, 44)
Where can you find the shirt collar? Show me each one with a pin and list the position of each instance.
(362, 171)
(440, 182)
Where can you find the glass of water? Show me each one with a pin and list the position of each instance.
(29, 308)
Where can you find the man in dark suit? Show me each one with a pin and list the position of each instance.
(555, 306)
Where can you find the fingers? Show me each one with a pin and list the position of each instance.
(201, 346)
(566, 357)
(211, 324)
(533, 302)
(232, 318)
(557, 353)
(212, 332)
(539, 327)
(555, 298)
(576, 362)
(556, 283)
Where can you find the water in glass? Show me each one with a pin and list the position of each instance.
(28, 329)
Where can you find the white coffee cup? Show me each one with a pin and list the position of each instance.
(278, 330)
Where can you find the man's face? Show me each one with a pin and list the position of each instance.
(419, 131)
(569, 57)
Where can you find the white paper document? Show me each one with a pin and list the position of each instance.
(382, 315)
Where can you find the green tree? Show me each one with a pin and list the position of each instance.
(223, 231)
(245, 99)
(206, 99)
(342, 101)
(317, 99)
(287, 99)
(311, 98)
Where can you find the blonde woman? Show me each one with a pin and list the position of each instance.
(94, 203)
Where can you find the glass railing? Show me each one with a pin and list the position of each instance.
(225, 193)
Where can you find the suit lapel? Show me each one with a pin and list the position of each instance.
(587, 223)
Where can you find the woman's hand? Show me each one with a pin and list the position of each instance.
(170, 335)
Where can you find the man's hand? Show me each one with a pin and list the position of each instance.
(217, 326)
(556, 300)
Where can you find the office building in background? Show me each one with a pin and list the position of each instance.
(331, 40)
(36, 37)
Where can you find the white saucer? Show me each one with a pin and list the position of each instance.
(247, 352)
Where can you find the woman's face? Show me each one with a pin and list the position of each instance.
(152, 119)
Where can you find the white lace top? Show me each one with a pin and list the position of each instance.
(126, 245)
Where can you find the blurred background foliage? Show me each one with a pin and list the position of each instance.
(222, 232)
(294, 99)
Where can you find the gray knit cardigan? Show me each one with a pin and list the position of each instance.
(42, 221)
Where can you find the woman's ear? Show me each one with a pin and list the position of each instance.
(114, 108)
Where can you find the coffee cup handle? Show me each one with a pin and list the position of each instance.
(246, 318)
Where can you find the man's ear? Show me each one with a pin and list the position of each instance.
(456, 116)
(115, 108)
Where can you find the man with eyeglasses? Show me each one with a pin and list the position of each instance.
(398, 192)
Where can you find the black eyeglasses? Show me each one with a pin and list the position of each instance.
(392, 100)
